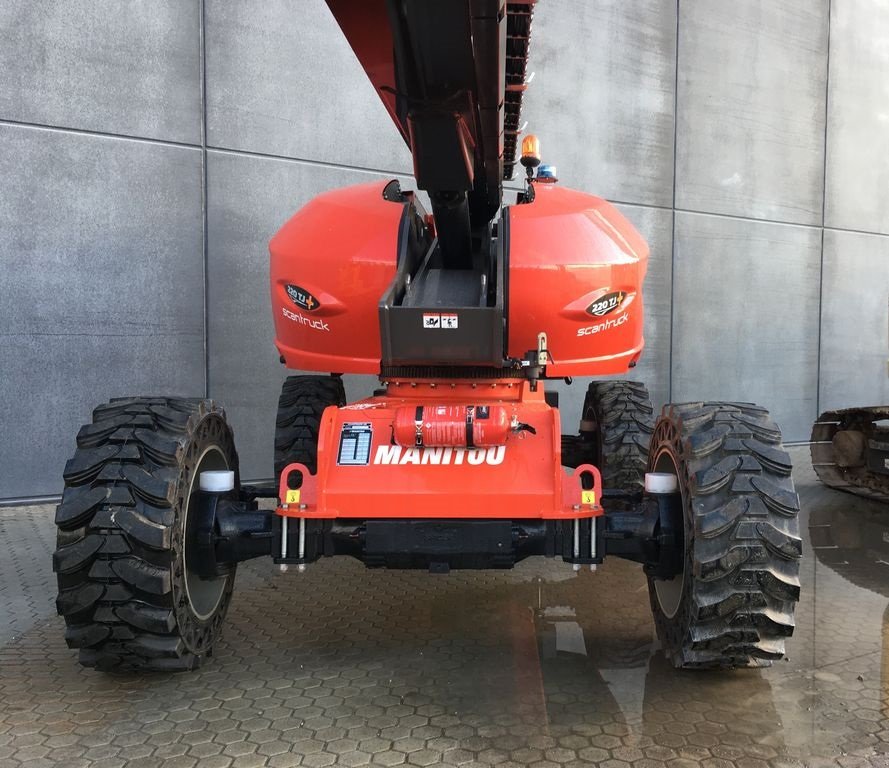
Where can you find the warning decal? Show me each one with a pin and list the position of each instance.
(448, 320)
(355, 442)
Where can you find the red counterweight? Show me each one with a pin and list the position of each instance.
(462, 426)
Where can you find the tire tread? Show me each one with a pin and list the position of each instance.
(116, 527)
(625, 418)
(300, 407)
(746, 546)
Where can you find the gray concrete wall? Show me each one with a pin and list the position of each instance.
(148, 150)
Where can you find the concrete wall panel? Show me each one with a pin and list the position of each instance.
(858, 117)
(282, 80)
(854, 320)
(603, 94)
(102, 285)
(745, 309)
(130, 68)
(750, 116)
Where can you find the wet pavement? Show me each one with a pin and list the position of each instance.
(538, 666)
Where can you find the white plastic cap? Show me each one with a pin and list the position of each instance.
(661, 482)
(217, 480)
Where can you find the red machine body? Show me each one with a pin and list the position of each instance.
(364, 473)
(576, 268)
(330, 264)
(557, 277)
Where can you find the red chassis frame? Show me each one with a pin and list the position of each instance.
(522, 479)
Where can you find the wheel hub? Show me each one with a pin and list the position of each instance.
(669, 591)
(204, 592)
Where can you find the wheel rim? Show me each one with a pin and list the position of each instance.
(669, 591)
(204, 595)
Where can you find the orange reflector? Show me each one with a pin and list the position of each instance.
(530, 151)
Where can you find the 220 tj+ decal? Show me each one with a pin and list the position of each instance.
(607, 304)
(302, 298)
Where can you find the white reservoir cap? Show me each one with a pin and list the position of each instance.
(217, 480)
(661, 482)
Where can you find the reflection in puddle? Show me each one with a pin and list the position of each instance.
(606, 682)
(850, 537)
(568, 634)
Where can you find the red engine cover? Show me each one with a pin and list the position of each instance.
(576, 268)
(330, 264)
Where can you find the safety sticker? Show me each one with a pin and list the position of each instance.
(437, 321)
(355, 442)
(292, 496)
(362, 406)
(587, 497)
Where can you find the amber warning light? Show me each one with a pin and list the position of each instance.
(530, 151)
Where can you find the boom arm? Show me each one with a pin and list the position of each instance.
(451, 73)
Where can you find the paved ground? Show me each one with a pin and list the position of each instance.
(539, 666)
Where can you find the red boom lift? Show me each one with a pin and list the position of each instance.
(458, 460)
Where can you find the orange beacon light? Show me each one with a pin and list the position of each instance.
(530, 152)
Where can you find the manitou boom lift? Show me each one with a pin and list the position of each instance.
(458, 460)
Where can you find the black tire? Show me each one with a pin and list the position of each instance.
(124, 590)
(619, 419)
(732, 606)
(303, 400)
